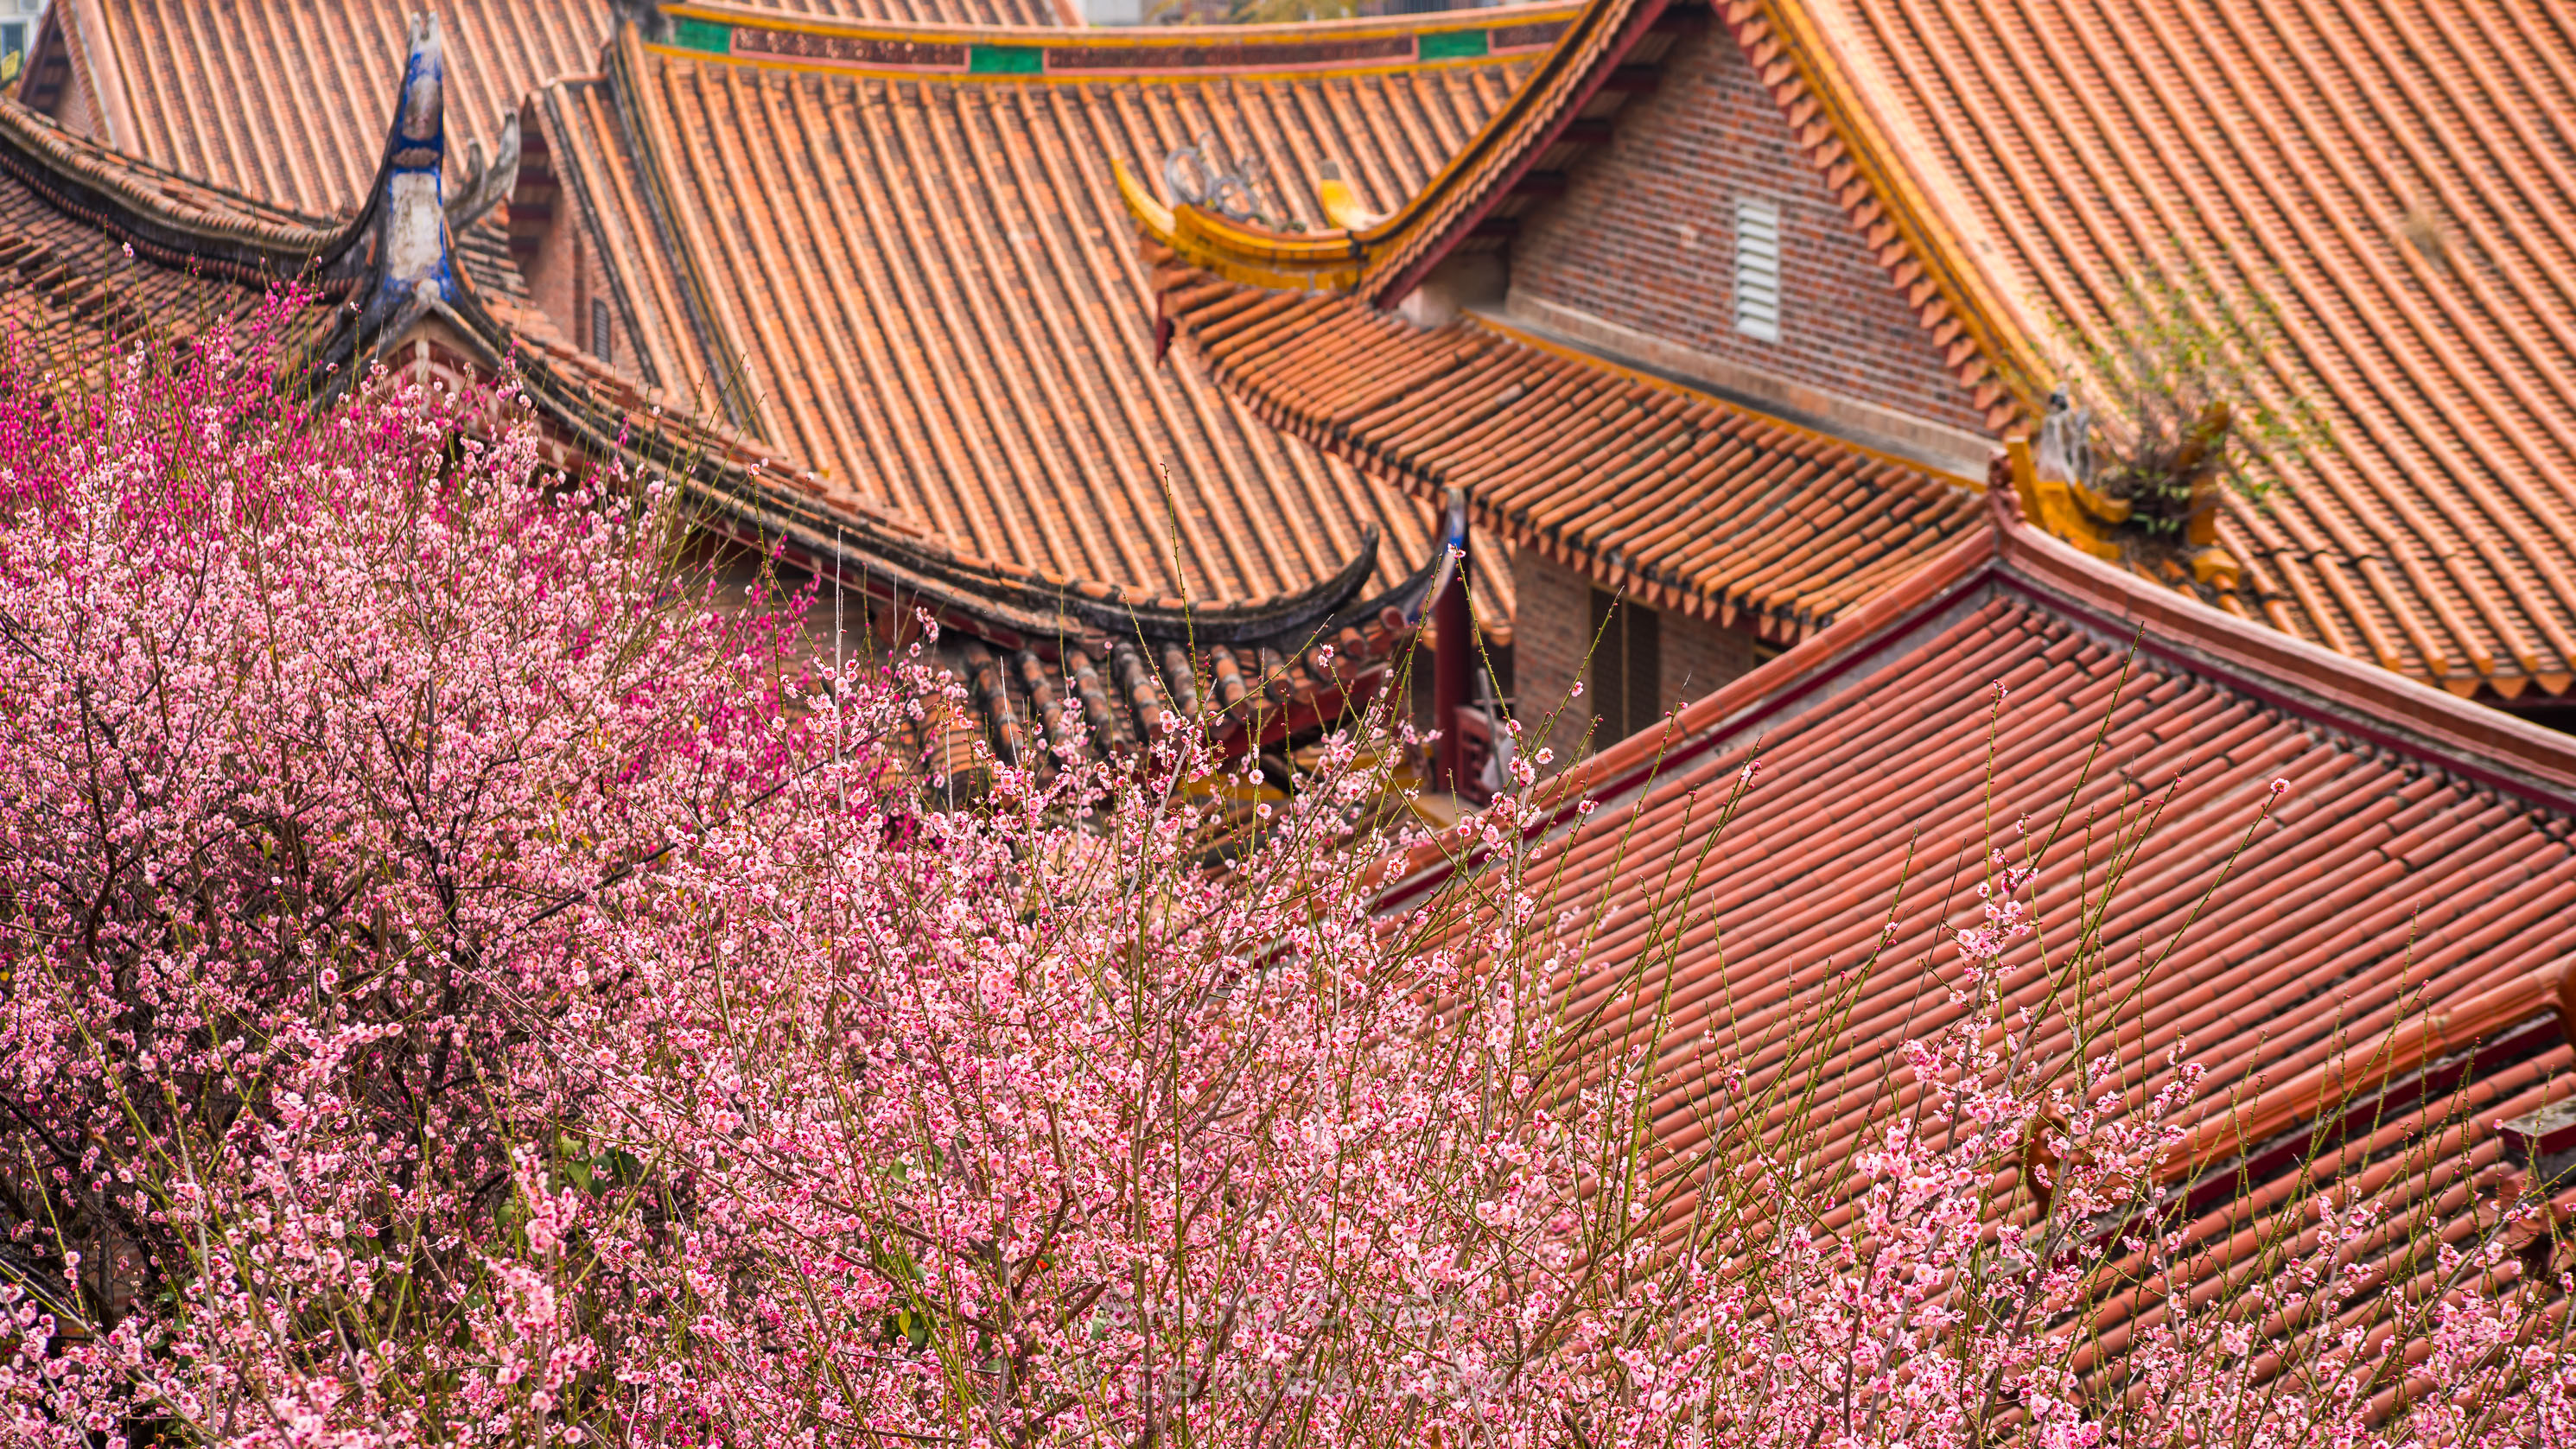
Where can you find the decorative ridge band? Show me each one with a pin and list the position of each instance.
(1042, 52)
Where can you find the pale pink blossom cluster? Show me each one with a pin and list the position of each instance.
(464, 986)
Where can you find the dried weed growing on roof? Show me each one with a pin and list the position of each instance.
(2195, 390)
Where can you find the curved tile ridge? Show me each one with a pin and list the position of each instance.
(926, 289)
(2370, 171)
(71, 295)
(172, 211)
(769, 499)
(1682, 500)
(1386, 252)
(1034, 657)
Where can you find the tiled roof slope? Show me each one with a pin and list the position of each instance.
(1578, 81)
(71, 287)
(284, 100)
(1031, 668)
(1679, 499)
(2420, 869)
(920, 280)
(96, 248)
(2393, 177)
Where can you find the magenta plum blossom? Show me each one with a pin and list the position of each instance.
(466, 981)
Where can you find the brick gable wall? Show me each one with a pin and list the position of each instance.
(1644, 238)
(1552, 638)
(565, 277)
(1549, 642)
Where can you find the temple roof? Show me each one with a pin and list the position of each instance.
(97, 248)
(73, 280)
(2386, 965)
(904, 263)
(1678, 498)
(2370, 174)
(2378, 174)
(284, 99)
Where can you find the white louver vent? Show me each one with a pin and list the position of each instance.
(1757, 269)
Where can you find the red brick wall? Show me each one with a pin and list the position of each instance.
(1644, 237)
(1701, 654)
(1552, 642)
(563, 269)
(1550, 637)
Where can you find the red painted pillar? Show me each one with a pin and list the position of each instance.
(1452, 683)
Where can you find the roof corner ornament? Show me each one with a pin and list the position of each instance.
(412, 261)
(1341, 201)
(645, 15)
(1448, 549)
(2066, 441)
(1199, 176)
(2055, 480)
(1253, 250)
(487, 184)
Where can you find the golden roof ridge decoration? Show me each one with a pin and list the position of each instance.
(1371, 258)
(756, 34)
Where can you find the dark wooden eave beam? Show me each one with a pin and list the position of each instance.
(1633, 80)
(1540, 183)
(1589, 131)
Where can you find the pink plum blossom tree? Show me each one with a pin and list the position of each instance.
(462, 981)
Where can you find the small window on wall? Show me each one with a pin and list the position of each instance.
(599, 333)
(1757, 269)
(1627, 668)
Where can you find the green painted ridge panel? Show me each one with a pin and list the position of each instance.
(1006, 60)
(704, 35)
(1452, 44)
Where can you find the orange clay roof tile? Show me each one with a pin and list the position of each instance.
(2374, 171)
(67, 291)
(921, 283)
(1688, 500)
(2419, 871)
(2381, 173)
(286, 99)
